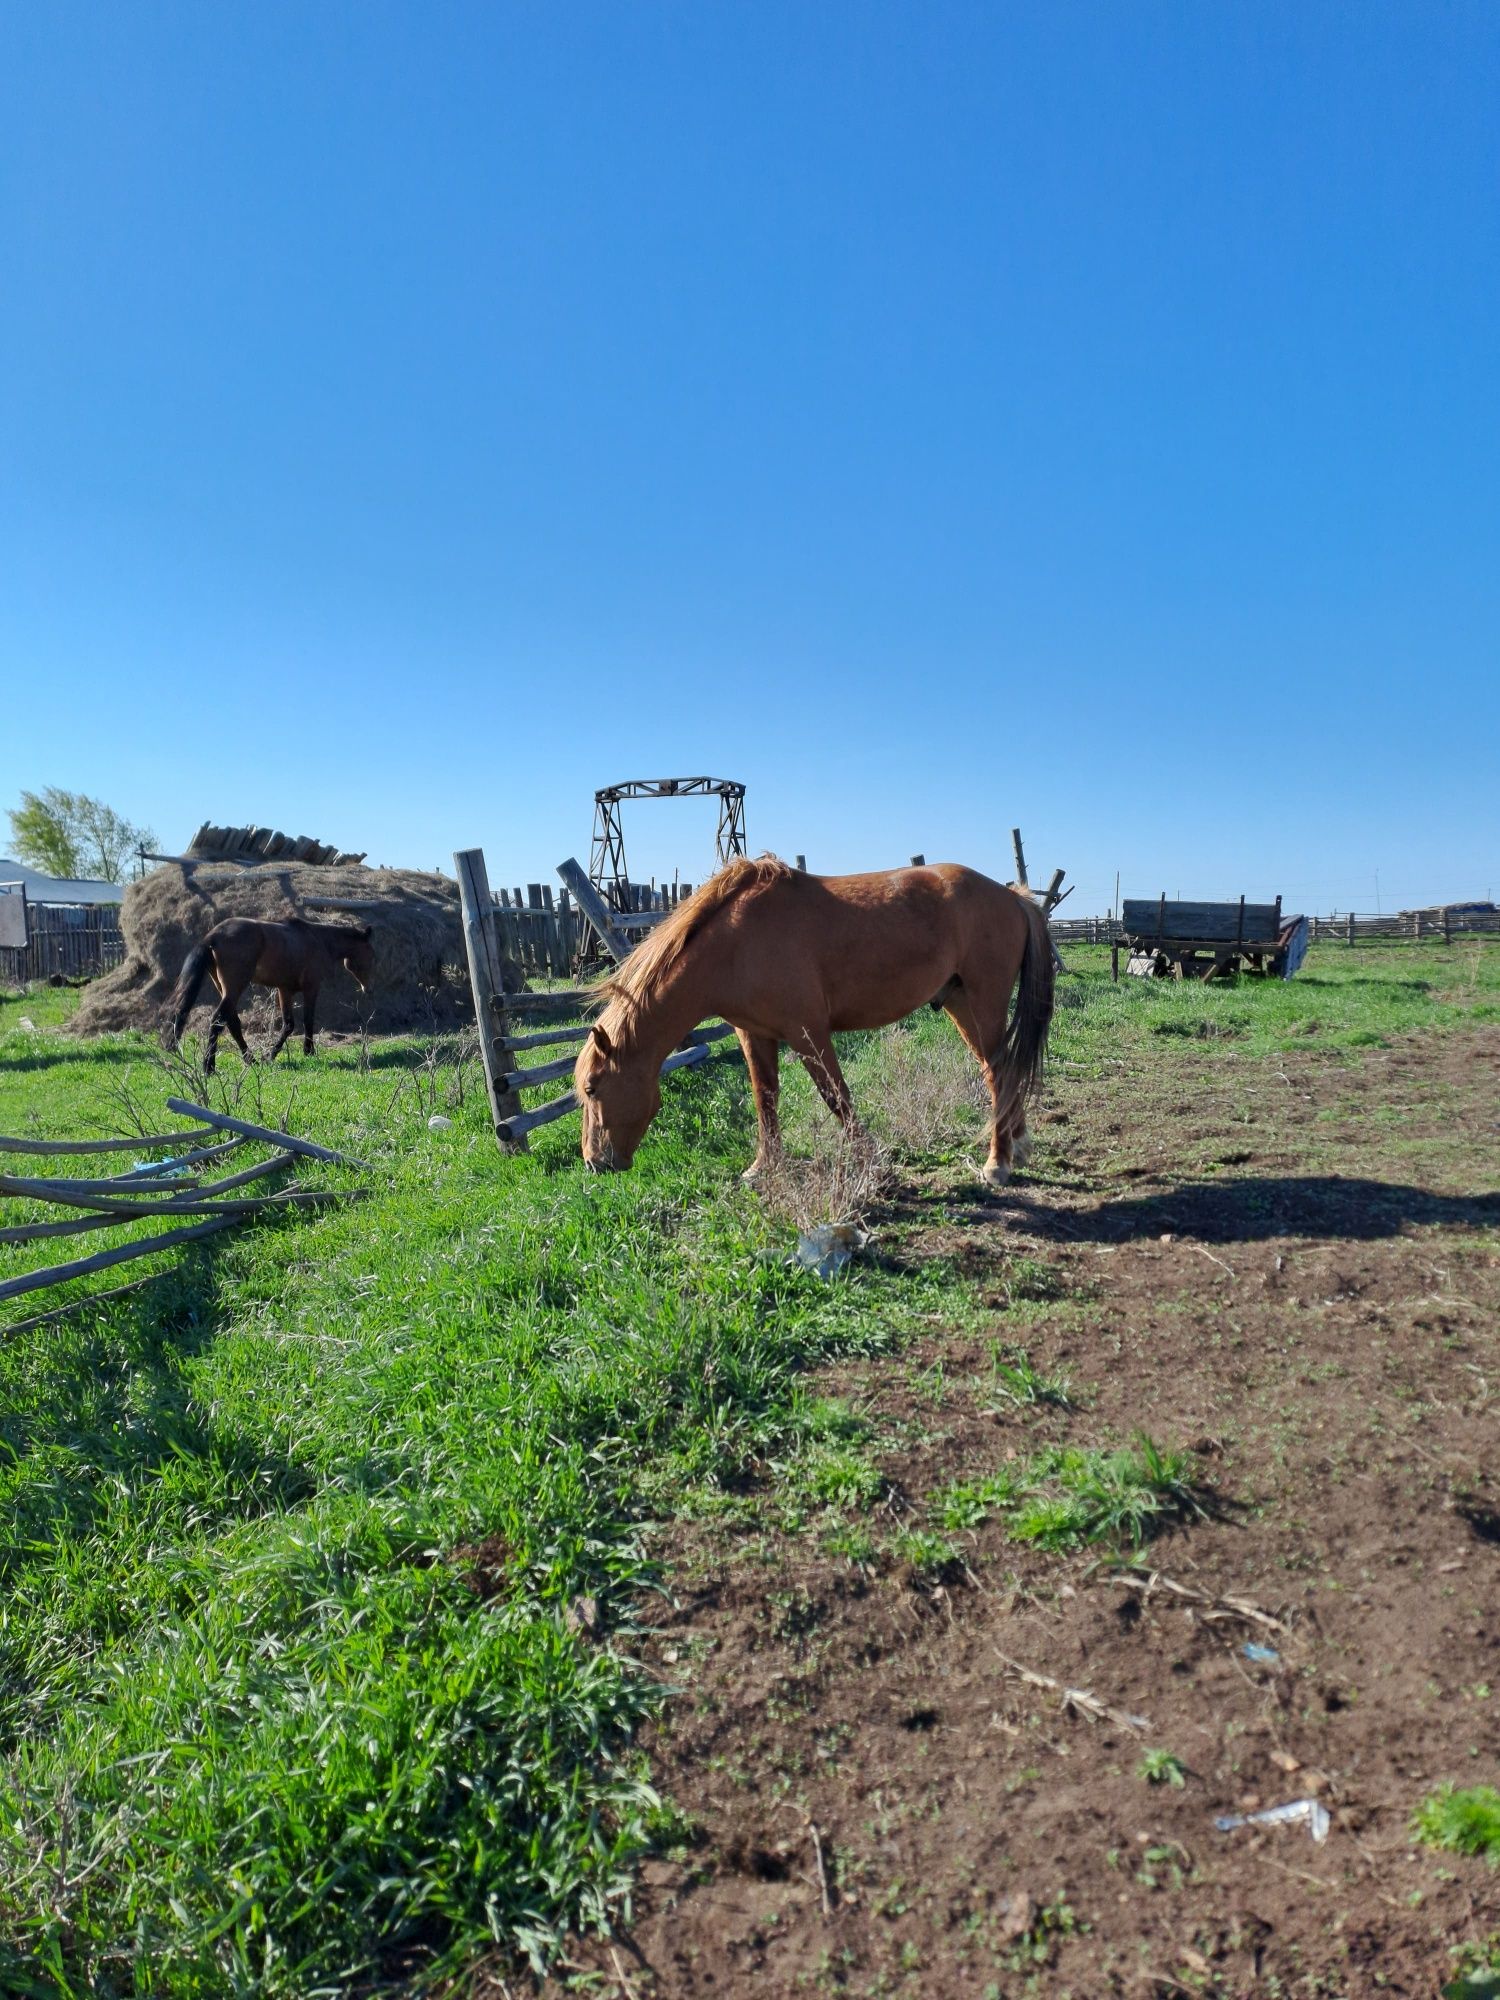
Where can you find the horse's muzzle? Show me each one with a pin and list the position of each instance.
(607, 1161)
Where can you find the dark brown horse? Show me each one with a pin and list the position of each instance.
(294, 956)
(789, 957)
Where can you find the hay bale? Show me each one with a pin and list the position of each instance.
(421, 979)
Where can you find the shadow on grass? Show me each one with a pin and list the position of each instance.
(1259, 1208)
(62, 1052)
(110, 1412)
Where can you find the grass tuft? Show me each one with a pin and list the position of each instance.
(1465, 1820)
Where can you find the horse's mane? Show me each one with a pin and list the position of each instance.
(648, 965)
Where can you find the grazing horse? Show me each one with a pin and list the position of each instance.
(294, 956)
(790, 957)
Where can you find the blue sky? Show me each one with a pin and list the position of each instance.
(938, 416)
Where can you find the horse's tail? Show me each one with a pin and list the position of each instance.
(1025, 1045)
(199, 959)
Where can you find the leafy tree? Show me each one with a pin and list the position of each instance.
(68, 833)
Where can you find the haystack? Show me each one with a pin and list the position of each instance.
(421, 979)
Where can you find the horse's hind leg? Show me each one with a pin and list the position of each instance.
(820, 1059)
(762, 1054)
(288, 1000)
(985, 1035)
(232, 1023)
(309, 1008)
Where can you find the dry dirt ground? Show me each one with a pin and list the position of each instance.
(1291, 1267)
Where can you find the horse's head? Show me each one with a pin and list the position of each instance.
(620, 1094)
(358, 956)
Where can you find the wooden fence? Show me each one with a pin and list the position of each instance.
(502, 1017)
(546, 936)
(71, 940)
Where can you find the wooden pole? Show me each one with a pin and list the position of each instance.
(283, 1140)
(596, 910)
(486, 978)
(59, 1274)
(1015, 841)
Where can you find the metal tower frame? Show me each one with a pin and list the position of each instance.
(607, 870)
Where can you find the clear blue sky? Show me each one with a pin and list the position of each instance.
(939, 416)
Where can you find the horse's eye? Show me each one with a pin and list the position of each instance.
(591, 1090)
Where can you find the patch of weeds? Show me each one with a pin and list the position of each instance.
(826, 1420)
(1463, 1820)
(930, 1557)
(1015, 1378)
(1051, 1922)
(1028, 1281)
(671, 1831)
(1477, 1969)
(835, 1477)
(1162, 1767)
(1070, 1498)
(969, 1503)
(854, 1543)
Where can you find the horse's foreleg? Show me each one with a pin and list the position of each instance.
(762, 1053)
(309, 1008)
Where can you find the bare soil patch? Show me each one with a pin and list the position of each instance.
(1291, 1268)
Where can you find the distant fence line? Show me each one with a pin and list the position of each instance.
(67, 941)
(1403, 926)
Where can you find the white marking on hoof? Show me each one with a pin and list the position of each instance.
(996, 1176)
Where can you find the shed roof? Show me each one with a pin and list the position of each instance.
(42, 888)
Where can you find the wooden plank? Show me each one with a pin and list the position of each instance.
(77, 1305)
(548, 1036)
(284, 1141)
(1020, 853)
(684, 1058)
(596, 910)
(65, 1194)
(59, 1146)
(148, 1246)
(35, 1232)
(1209, 923)
(486, 975)
(548, 1072)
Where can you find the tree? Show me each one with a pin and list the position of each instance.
(70, 834)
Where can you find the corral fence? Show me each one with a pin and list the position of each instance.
(504, 1019)
(547, 936)
(63, 940)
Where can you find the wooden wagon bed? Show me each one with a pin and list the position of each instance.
(1180, 940)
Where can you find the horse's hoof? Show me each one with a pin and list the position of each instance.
(996, 1176)
(1020, 1150)
(753, 1176)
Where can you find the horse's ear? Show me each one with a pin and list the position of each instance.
(602, 1042)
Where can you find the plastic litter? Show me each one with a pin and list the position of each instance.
(1267, 1656)
(1309, 1810)
(151, 1170)
(828, 1248)
(438, 1123)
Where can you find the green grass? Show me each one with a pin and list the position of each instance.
(288, 1681)
(1464, 1820)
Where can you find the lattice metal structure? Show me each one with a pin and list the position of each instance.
(607, 869)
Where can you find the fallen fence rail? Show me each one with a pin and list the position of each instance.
(146, 1192)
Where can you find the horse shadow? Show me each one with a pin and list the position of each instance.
(1260, 1209)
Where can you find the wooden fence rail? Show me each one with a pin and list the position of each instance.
(1405, 925)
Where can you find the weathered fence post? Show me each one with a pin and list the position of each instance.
(596, 910)
(486, 976)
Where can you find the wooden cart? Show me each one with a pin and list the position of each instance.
(1208, 940)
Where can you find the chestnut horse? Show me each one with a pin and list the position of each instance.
(294, 956)
(790, 957)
